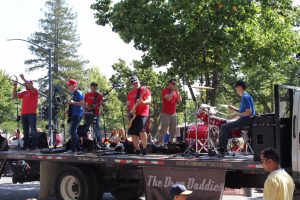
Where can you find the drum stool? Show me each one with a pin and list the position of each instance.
(246, 131)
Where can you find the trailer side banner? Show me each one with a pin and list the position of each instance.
(207, 184)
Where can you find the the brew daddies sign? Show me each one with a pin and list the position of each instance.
(206, 184)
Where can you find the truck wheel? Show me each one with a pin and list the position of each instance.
(127, 193)
(71, 184)
(95, 183)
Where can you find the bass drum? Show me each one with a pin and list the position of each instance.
(202, 130)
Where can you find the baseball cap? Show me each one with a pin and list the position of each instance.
(179, 189)
(72, 82)
(133, 79)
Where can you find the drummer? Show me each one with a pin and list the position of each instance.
(245, 114)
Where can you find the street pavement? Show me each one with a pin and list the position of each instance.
(30, 191)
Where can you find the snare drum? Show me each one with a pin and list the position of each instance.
(217, 121)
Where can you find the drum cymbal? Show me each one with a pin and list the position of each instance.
(203, 105)
(224, 105)
(202, 87)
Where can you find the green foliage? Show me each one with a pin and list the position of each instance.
(7, 106)
(58, 34)
(206, 40)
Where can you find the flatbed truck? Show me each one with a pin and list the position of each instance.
(88, 176)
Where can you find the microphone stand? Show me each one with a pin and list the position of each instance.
(18, 125)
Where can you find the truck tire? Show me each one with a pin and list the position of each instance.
(95, 183)
(72, 183)
(127, 193)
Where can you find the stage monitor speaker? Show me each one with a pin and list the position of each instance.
(3, 143)
(263, 136)
(42, 140)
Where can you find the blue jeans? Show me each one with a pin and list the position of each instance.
(228, 127)
(29, 121)
(75, 121)
(88, 120)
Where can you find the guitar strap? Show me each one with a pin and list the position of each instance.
(138, 94)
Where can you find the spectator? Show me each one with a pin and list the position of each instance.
(279, 184)
(179, 192)
(114, 138)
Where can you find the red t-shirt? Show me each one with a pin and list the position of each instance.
(142, 109)
(29, 101)
(168, 107)
(89, 98)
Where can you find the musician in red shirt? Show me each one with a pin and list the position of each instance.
(139, 98)
(168, 118)
(28, 111)
(92, 103)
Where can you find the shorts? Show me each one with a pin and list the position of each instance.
(138, 125)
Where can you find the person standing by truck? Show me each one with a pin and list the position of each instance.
(138, 101)
(28, 111)
(279, 185)
(168, 118)
(245, 114)
(179, 192)
(75, 113)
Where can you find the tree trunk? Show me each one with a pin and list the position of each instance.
(215, 85)
(191, 90)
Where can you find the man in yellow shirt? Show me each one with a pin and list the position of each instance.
(279, 184)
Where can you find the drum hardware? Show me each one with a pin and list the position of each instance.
(202, 87)
(245, 145)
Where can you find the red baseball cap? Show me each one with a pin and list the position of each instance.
(72, 82)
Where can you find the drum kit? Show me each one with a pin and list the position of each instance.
(203, 136)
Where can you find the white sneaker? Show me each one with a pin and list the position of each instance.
(69, 152)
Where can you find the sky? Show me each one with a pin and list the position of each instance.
(20, 18)
(101, 46)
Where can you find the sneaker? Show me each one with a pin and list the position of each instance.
(32, 148)
(69, 152)
(144, 152)
(223, 151)
(79, 152)
(24, 149)
(138, 152)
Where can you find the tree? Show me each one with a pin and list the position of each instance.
(58, 33)
(7, 106)
(205, 39)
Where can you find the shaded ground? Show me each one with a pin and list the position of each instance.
(30, 191)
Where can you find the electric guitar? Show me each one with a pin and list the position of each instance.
(132, 112)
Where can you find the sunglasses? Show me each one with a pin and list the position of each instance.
(173, 83)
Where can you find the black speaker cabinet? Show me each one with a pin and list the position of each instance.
(263, 136)
(42, 140)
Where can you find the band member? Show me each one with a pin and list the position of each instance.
(138, 98)
(28, 111)
(168, 118)
(76, 112)
(92, 103)
(245, 113)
